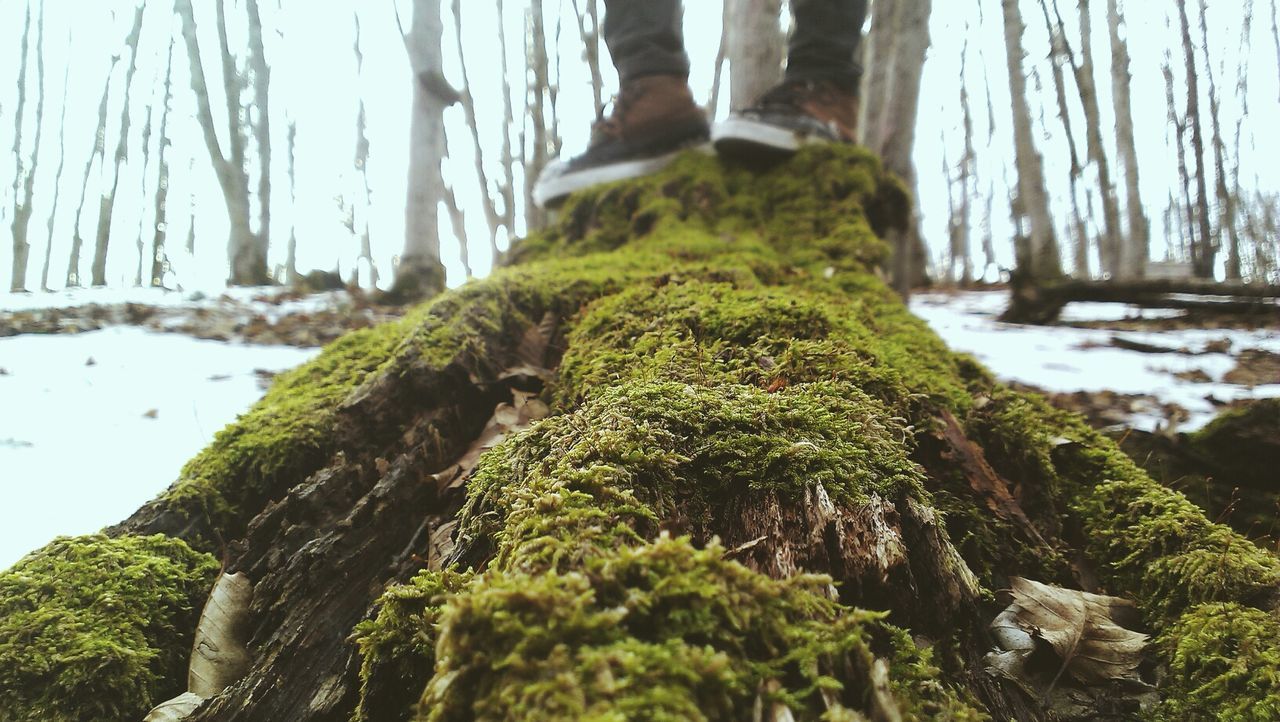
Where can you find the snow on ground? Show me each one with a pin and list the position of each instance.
(255, 299)
(1061, 359)
(79, 445)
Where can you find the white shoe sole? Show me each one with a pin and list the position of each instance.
(743, 130)
(554, 185)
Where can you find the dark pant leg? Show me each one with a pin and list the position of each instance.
(645, 37)
(824, 41)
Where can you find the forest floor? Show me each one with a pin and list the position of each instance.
(105, 394)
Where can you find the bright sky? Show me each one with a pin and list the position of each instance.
(314, 84)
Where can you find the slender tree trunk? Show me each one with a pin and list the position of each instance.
(107, 202)
(1060, 53)
(1036, 247)
(248, 260)
(24, 178)
(260, 121)
(589, 32)
(722, 54)
(489, 204)
(160, 232)
(1137, 247)
(1187, 225)
(1226, 201)
(291, 258)
(1275, 35)
(755, 49)
(62, 164)
(99, 152)
(361, 165)
(968, 181)
(1207, 247)
(420, 272)
(538, 76)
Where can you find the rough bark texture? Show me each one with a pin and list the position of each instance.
(754, 48)
(746, 444)
(1036, 246)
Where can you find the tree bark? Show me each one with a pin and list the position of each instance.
(590, 35)
(1036, 246)
(107, 203)
(1204, 251)
(755, 45)
(360, 164)
(100, 152)
(291, 252)
(160, 232)
(420, 272)
(1137, 247)
(57, 180)
(260, 121)
(25, 177)
(1059, 54)
(246, 255)
(1226, 199)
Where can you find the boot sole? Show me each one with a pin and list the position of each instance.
(553, 186)
(747, 139)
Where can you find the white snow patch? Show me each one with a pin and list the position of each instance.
(77, 451)
(1058, 358)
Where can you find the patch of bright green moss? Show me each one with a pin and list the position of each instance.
(664, 631)
(635, 454)
(1224, 664)
(97, 628)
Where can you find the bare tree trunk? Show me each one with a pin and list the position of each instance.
(722, 53)
(260, 120)
(1137, 247)
(25, 177)
(1275, 34)
(467, 99)
(1113, 239)
(1060, 52)
(961, 242)
(1187, 225)
(247, 258)
(539, 154)
(107, 203)
(99, 152)
(1207, 247)
(591, 48)
(1226, 200)
(160, 232)
(755, 49)
(291, 257)
(57, 182)
(420, 272)
(1037, 248)
(360, 219)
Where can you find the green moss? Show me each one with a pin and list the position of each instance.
(283, 437)
(93, 628)
(664, 631)
(633, 455)
(1244, 444)
(397, 647)
(1224, 664)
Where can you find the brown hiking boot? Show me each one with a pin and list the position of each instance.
(653, 118)
(792, 114)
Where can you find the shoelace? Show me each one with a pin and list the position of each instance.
(791, 93)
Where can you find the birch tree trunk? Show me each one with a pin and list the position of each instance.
(1137, 246)
(1204, 251)
(1113, 238)
(107, 203)
(1036, 247)
(291, 252)
(588, 18)
(160, 232)
(57, 181)
(420, 273)
(100, 153)
(25, 176)
(260, 120)
(537, 140)
(755, 48)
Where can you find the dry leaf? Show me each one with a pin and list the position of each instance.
(176, 709)
(506, 420)
(1081, 628)
(221, 655)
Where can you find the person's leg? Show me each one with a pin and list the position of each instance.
(654, 116)
(817, 101)
(824, 42)
(645, 37)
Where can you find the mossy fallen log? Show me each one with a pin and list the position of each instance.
(766, 489)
